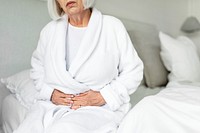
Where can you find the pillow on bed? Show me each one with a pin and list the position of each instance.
(4, 92)
(180, 58)
(22, 87)
(147, 45)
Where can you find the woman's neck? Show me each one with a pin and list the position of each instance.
(80, 20)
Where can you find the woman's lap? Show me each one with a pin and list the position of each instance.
(90, 120)
(85, 119)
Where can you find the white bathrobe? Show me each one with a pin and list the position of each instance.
(106, 61)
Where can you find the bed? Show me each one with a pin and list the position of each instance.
(159, 83)
(175, 109)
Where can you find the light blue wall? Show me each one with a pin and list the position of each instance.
(167, 15)
(20, 24)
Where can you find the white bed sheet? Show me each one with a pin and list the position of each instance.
(13, 113)
(176, 109)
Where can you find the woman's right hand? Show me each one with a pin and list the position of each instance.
(60, 98)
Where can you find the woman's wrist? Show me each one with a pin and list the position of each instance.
(102, 100)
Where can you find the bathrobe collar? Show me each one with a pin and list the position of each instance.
(87, 46)
(89, 41)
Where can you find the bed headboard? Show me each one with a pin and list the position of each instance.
(146, 42)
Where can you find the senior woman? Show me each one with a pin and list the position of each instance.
(84, 69)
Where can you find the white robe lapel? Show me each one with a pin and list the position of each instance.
(58, 58)
(89, 42)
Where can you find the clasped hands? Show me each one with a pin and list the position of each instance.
(88, 98)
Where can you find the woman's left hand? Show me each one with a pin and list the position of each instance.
(88, 98)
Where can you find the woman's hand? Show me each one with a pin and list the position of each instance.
(60, 98)
(89, 98)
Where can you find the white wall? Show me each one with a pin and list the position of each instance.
(20, 24)
(167, 15)
(194, 10)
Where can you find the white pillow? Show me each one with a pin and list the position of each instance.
(22, 87)
(180, 57)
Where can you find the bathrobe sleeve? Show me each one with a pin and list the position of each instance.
(117, 92)
(37, 72)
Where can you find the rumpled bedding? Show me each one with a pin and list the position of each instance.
(175, 109)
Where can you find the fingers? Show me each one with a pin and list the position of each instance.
(63, 95)
(78, 98)
(60, 98)
(79, 101)
(76, 107)
(62, 101)
(81, 94)
(89, 98)
(66, 101)
(78, 104)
